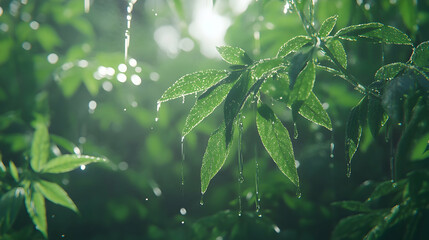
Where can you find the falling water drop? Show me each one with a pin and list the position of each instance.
(295, 131)
(183, 99)
(257, 195)
(240, 163)
(183, 211)
(87, 5)
(240, 156)
(127, 31)
(158, 106)
(331, 155)
(183, 159)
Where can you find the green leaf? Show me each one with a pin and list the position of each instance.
(292, 45)
(178, 6)
(192, 83)
(10, 204)
(408, 10)
(313, 111)
(69, 162)
(2, 166)
(420, 55)
(386, 188)
(13, 171)
(214, 157)
(66, 144)
(353, 135)
(356, 226)
(35, 204)
(265, 67)
(374, 32)
(338, 51)
(234, 55)
(355, 32)
(399, 213)
(304, 83)
(327, 26)
(234, 102)
(276, 141)
(355, 206)
(39, 147)
(208, 102)
(389, 35)
(376, 115)
(48, 37)
(389, 71)
(393, 96)
(54, 193)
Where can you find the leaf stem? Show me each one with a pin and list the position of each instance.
(309, 28)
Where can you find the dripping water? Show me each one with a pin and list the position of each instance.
(202, 199)
(295, 131)
(183, 99)
(87, 5)
(240, 156)
(240, 163)
(158, 106)
(127, 31)
(257, 196)
(183, 160)
(349, 169)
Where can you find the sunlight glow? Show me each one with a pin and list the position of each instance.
(209, 28)
(167, 38)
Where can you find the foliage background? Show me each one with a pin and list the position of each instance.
(139, 195)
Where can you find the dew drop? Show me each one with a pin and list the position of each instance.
(183, 222)
(331, 155)
(240, 155)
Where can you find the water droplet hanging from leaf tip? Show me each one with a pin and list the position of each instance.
(202, 200)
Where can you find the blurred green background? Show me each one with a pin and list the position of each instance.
(64, 62)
